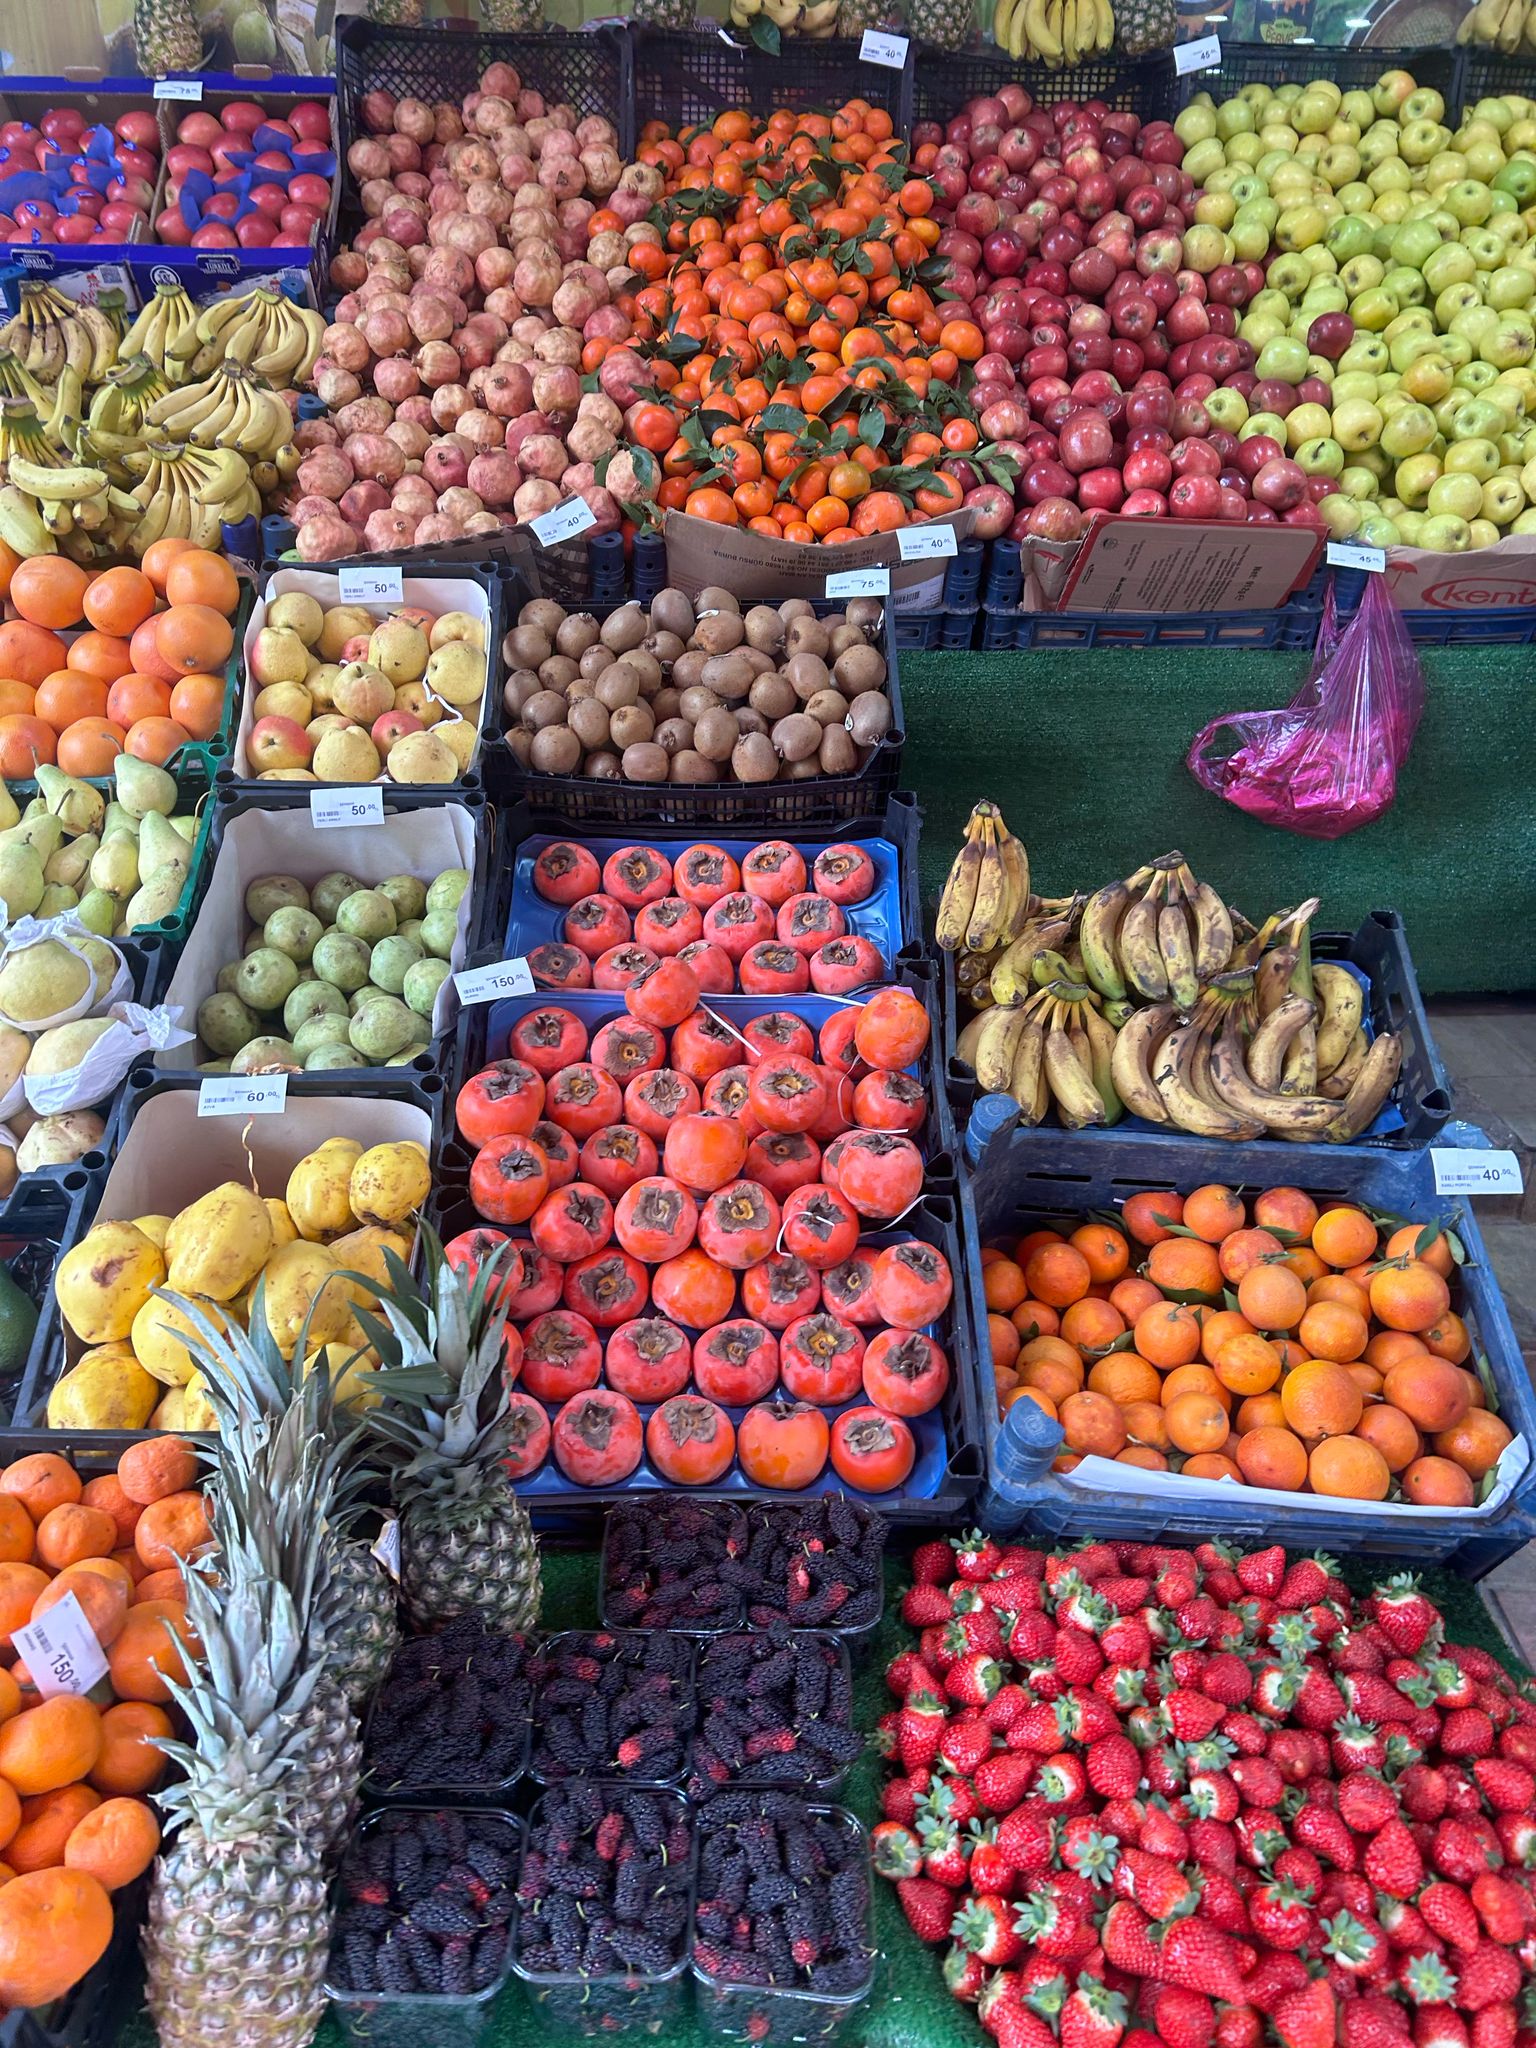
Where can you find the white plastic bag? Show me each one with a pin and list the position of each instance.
(135, 1032)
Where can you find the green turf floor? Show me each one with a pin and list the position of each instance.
(910, 2008)
(1085, 753)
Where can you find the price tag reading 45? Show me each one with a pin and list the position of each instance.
(1475, 1172)
(1355, 554)
(243, 1095)
(370, 586)
(329, 808)
(489, 984)
(860, 583)
(61, 1650)
(1201, 56)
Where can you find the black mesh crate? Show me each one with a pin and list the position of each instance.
(942, 82)
(1487, 75)
(687, 78)
(589, 69)
(1296, 63)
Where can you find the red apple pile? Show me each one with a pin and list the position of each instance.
(1064, 228)
(289, 197)
(94, 208)
(661, 1161)
(1154, 1795)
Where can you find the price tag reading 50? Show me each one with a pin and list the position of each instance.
(330, 808)
(370, 586)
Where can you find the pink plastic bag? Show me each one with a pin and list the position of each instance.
(1327, 764)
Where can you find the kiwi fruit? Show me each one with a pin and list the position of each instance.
(753, 758)
(869, 720)
(859, 669)
(632, 725)
(672, 612)
(837, 755)
(617, 686)
(527, 646)
(603, 767)
(645, 762)
(558, 672)
(691, 766)
(674, 734)
(624, 629)
(556, 751)
(575, 634)
(545, 709)
(589, 721)
(716, 735)
(544, 613)
(797, 737)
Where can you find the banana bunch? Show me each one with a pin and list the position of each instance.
(1054, 1047)
(118, 408)
(187, 492)
(986, 896)
(1508, 26)
(261, 329)
(231, 408)
(1055, 33)
(160, 325)
(50, 332)
(816, 20)
(1157, 935)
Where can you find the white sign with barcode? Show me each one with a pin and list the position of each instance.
(362, 805)
(487, 984)
(924, 543)
(387, 1548)
(874, 582)
(1476, 1172)
(178, 88)
(243, 1095)
(61, 1651)
(370, 586)
(1354, 554)
(564, 522)
(1201, 56)
(879, 48)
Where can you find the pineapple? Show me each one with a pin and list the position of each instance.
(238, 1932)
(165, 37)
(395, 13)
(854, 16)
(511, 17)
(948, 23)
(363, 1627)
(1145, 25)
(466, 1544)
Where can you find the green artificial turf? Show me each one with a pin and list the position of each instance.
(910, 2007)
(1085, 753)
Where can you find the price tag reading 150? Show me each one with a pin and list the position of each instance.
(61, 1650)
(487, 984)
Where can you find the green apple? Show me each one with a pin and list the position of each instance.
(1205, 248)
(1518, 179)
(1420, 140)
(1234, 117)
(1351, 384)
(1374, 309)
(1416, 477)
(1357, 424)
(1409, 430)
(1452, 303)
(1528, 481)
(1481, 419)
(1512, 285)
(1470, 202)
(1379, 146)
(1450, 264)
(1487, 247)
(1406, 285)
(1227, 409)
(1270, 302)
(1320, 456)
(1195, 123)
(1215, 209)
(1366, 352)
(1259, 329)
(1445, 534)
(1263, 423)
(1478, 459)
(1300, 226)
(1358, 482)
(1327, 295)
(1459, 494)
(1497, 113)
(1411, 526)
(1362, 274)
(1307, 423)
(1390, 91)
(1456, 349)
(1526, 523)
(1503, 500)
(1428, 376)
(1340, 164)
(1378, 532)
(1512, 342)
(1282, 358)
(1424, 104)
(1289, 276)
(1483, 533)
(1414, 243)
(1356, 107)
(1409, 344)
(1207, 157)
(1350, 235)
(1476, 376)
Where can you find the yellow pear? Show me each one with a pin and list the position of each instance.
(219, 1243)
(162, 1334)
(102, 1284)
(316, 1194)
(389, 1182)
(301, 1281)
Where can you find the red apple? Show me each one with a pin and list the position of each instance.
(279, 743)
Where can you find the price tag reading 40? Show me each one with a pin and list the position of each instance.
(878, 48)
(1475, 1172)
(329, 808)
(565, 522)
(489, 984)
(370, 586)
(243, 1095)
(61, 1650)
(925, 543)
(874, 582)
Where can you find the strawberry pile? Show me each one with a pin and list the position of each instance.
(1150, 1794)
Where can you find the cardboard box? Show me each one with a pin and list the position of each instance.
(1499, 578)
(171, 1156)
(287, 842)
(1169, 565)
(435, 594)
(763, 571)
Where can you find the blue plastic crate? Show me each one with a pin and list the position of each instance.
(1378, 951)
(1022, 1178)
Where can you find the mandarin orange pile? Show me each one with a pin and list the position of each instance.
(1290, 1348)
(74, 1821)
(800, 364)
(145, 677)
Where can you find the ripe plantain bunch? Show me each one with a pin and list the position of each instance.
(1152, 997)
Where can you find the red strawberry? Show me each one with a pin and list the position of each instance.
(1365, 1803)
(1049, 1926)
(1015, 2026)
(1212, 1795)
(1159, 1887)
(924, 1605)
(973, 1678)
(1262, 1571)
(1238, 2026)
(1422, 1790)
(905, 1670)
(1495, 2026)
(1354, 1942)
(1223, 1904)
(898, 1801)
(964, 1974)
(1281, 1914)
(944, 1858)
(1505, 1908)
(1461, 1852)
(1309, 2018)
(965, 1744)
(1467, 1731)
(1127, 1941)
(1374, 2021)
(1002, 1781)
(1061, 1780)
(1316, 1828)
(1307, 1581)
(1405, 1614)
(1127, 1643)
(1184, 2018)
(929, 1907)
(1162, 1834)
(1273, 1979)
(1125, 1595)
(1027, 1838)
(1190, 1716)
(1087, 1850)
(985, 1927)
(1319, 1703)
(1213, 1845)
(1227, 1678)
(1489, 1976)
(921, 1725)
(1451, 1913)
(933, 1563)
(1507, 1787)
(1393, 1863)
(1032, 1635)
(1198, 1619)
(896, 1849)
(1114, 1766)
(1201, 1958)
(1427, 1979)
(1005, 1706)
(1517, 1838)
(1092, 2016)
(976, 1556)
(1440, 2026)
(1407, 1929)
(1078, 1658)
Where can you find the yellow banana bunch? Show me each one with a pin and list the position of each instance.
(50, 333)
(189, 492)
(231, 408)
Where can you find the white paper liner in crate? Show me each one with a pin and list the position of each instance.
(259, 843)
(32, 931)
(135, 1031)
(1105, 1475)
(435, 594)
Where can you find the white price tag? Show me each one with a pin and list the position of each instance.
(879, 48)
(61, 1651)
(924, 543)
(501, 978)
(1199, 56)
(1354, 554)
(178, 88)
(860, 583)
(564, 522)
(1476, 1172)
(370, 586)
(362, 805)
(243, 1095)
(387, 1548)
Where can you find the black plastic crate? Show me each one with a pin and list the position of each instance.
(1487, 75)
(443, 60)
(686, 78)
(1295, 63)
(830, 800)
(1379, 948)
(942, 82)
(42, 1218)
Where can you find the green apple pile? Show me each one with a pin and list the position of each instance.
(1368, 205)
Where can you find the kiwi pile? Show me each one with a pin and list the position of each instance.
(696, 690)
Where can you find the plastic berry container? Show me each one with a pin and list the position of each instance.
(386, 2019)
(824, 1782)
(653, 2003)
(626, 1566)
(546, 1768)
(868, 1603)
(775, 2014)
(474, 1792)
